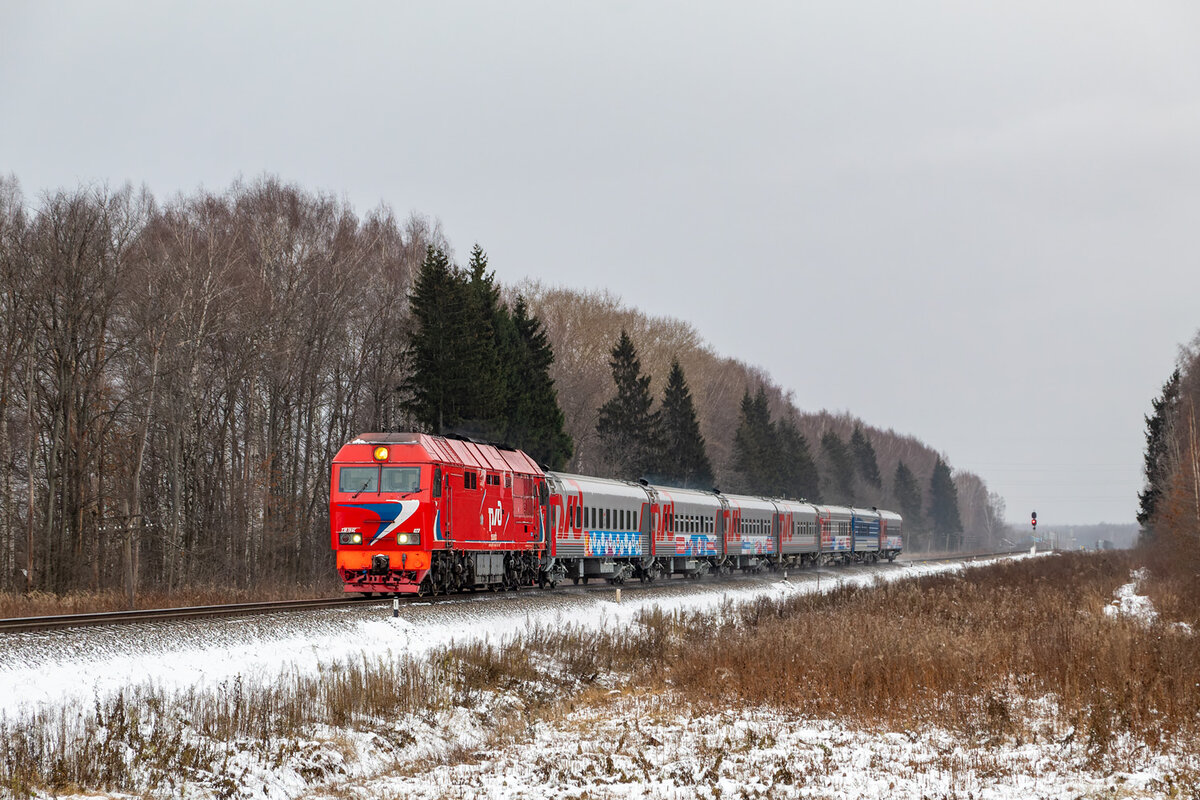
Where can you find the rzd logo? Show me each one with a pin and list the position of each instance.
(496, 516)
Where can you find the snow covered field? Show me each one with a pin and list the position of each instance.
(44, 669)
(617, 742)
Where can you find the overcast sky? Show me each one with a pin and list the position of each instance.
(976, 223)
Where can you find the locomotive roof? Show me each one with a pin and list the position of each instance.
(449, 450)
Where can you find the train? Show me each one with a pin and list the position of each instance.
(425, 514)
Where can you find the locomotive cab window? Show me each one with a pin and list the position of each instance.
(401, 479)
(358, 479)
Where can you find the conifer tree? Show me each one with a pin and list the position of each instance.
(908, 495)
(535, 422)
(801, 480)
(943, 506)
(440, 352)
(629, 431)
(756, 455)
(864, 458)
(1157, 459)
(486, 324)
(840, 470)
(684, 460)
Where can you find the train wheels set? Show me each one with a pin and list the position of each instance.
(453, 572)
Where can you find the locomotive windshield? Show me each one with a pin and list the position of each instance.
(367, 479)
(359, 479)
(401, 479)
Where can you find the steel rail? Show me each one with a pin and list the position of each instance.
(56, 621)
(908, 559)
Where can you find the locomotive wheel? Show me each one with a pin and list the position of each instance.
(575, 580)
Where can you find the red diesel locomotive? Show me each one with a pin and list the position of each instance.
(418, 513)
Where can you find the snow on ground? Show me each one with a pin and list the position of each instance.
(42, 670)
(1129, 604)
(624, 745)
(650, 747)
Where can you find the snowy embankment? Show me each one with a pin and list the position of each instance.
(39, 671)
(612, 743)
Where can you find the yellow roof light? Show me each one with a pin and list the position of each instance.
(381, 454)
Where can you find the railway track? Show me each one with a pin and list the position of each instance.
(906, 559)
(55, 622)
(46, 623)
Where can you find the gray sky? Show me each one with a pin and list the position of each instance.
(971, 222)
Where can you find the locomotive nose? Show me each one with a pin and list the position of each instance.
(379, 564)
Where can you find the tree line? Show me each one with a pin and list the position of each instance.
(770, 457)
(175, 378)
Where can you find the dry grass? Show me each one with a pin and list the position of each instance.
(38, 604)
(974, 653)
(957, 650)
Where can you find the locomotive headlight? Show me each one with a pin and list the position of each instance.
(350, 538)
(381, 454)
(356, 538)
(408, 538)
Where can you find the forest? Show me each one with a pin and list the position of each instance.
(176, 376)
(1169, 505)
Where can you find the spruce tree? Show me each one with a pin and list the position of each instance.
(943, 506)
(801, 480)
(440, 353)
(908, 495)
(535, 422)
(487, 327)
(756, 455)
(684, 460)
(629, 431)
(840, 469)
(1157, 460)
(864, 458)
